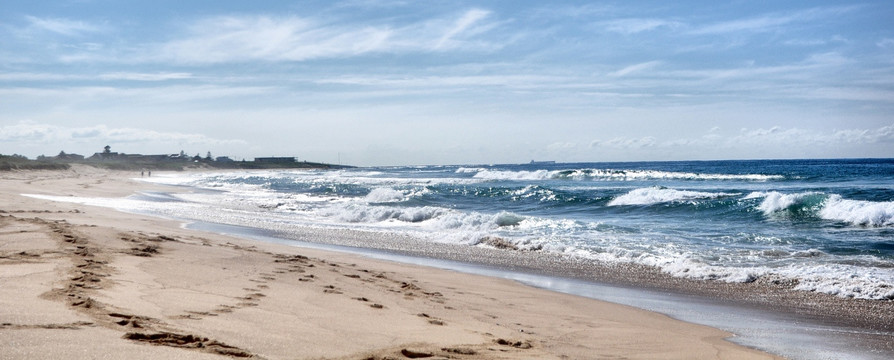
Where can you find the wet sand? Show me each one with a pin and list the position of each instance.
(88, 282)
(767, 315)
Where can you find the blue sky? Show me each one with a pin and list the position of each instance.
(395, 82)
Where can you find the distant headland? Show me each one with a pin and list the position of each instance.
(178, 161)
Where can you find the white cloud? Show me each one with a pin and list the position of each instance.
(770, 22)
(25, 131)
(30, 132)
(372, 4)
(757, 24)
(518, 81)
(747, 140)
(132, 76)
(37, 77)
(145, 76)
(864, 136)
(290, 38)
(635, 68)
(462, 24)
(885, 43)
(561, 146)
(626, 143)
(62, 26)
(140, 95)
(558, 11)
(633, 26)
(806, 42)
(816, 41)
(809, 138)
(266, 38)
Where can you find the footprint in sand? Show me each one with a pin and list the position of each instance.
(331, 289)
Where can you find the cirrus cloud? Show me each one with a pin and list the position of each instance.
(62, 26)
(244, 38)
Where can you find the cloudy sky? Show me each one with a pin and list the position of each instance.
(392, 82)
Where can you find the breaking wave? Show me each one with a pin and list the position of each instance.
(858, 212)
(827, 207)
(391, 195)
(775, 202)
(607, 174)
(657, 195)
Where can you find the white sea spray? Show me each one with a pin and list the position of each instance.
(607, 174)
(858, 212)
(657, 195)
(775, 201)
(831, 207)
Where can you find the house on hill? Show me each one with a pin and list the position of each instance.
(106, 154)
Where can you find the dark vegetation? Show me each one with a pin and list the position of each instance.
(138, 162)
(19, 162)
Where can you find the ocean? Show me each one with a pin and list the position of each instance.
(825, 225)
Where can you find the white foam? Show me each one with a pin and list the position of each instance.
(692, 269)
(858, 212)
(608, 174)
(464, 170)
(670, 175)
(775, 201)
(553, 235)
(829, 207)
(851, 281)
(390, 195)
(534, 191)
(514, 175)
(843, 280)
(657, 195)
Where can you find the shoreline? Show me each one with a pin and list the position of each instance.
(875, 315)
(824, 326)
(96, 183)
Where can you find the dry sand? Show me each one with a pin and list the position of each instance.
(86, 282)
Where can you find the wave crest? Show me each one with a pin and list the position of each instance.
(775, 202)
(827, 207)
(858, 212)
(657, 195)
(391, 195)
(607, 174)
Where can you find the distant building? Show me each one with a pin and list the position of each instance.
(181, 156)
(277, 160)
(223, 159)
(108, 155)
(105, 156)
(65, 157)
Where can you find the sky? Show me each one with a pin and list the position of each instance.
(392, 82)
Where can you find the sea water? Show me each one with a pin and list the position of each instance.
(826, 225)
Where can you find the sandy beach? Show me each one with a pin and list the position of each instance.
(88, 282)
